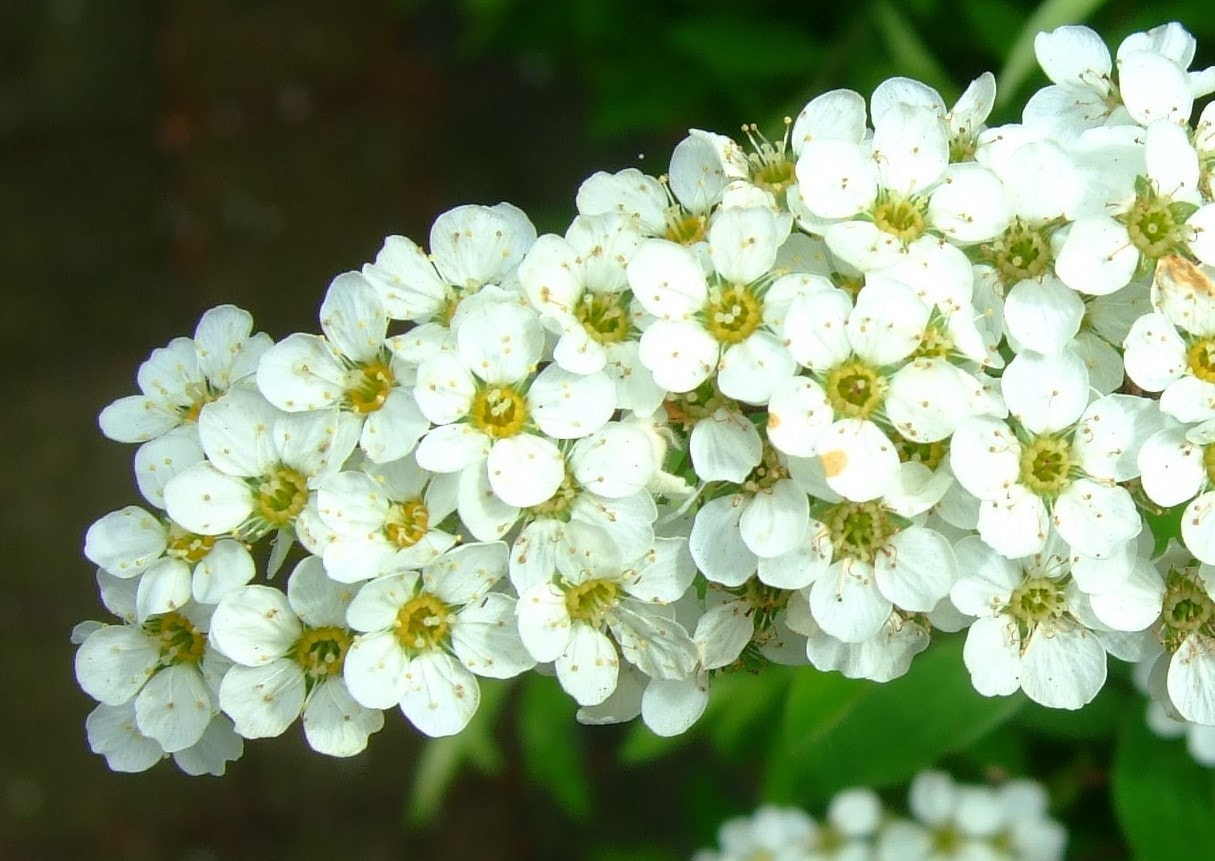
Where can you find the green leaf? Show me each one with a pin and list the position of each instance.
(840, 734)
(441, 758)
(995, 23)
(551, 758)
(1021, 60)
(1165, 801)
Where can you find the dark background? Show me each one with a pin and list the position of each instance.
(157, 159)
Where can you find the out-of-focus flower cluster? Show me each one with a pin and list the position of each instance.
(804, 400)
(947, 820)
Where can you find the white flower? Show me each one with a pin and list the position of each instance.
(717, 323)
(1172, 350)
(172, 564)
(114, 733)
(1152, 84)
(350, 368)
(578, 285)
(384, 518)
(487, 402)
(600, 604)
(179, 379)
(426, 633)
(1058, 462)
(1027, 634)
(161, 666)
(470, 247)
(262, 466)
(289, 652)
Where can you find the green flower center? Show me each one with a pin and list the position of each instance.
(605, 316)
(855, 389)
(407, 522)
(422, 623)
(321, 651)
(901, 217)
(592, 601)
(931, 454)
(1021, 252)
(187, 546)
(733, 313)
(858, 530)
(499, 411)
(1155, 224)
(1037, 600)
(178, 640)
(1200, 359)
(1047, 465)
(770, 470)
(1187, 607)
(282, 495)
(369, 386)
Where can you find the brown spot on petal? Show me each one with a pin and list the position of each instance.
(834, 462)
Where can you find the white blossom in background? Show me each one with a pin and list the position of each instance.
(179, 379)
(952, 820)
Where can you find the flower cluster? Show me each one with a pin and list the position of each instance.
(803, 401)
(948, 820)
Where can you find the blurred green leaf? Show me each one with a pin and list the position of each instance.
(909, 51)
(1165, 801)
(442, 758)
(1098, 719)
(551, 759)
(995, 22)
(1021, 60)
(730, 47)
(863, 733)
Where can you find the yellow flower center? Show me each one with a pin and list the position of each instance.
(1047, 465)
(369, 386)
(422, 623)
(407, 523)
(1201, 359)
(605, 316)
(178, 640)
(901, 217)
(733, 313)
(855, 389)
(321, 651)
(499, 411)
(684, 227)
(282, 495)
(592, 600)
(187, 546)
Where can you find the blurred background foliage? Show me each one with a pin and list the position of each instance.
(158, 158)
